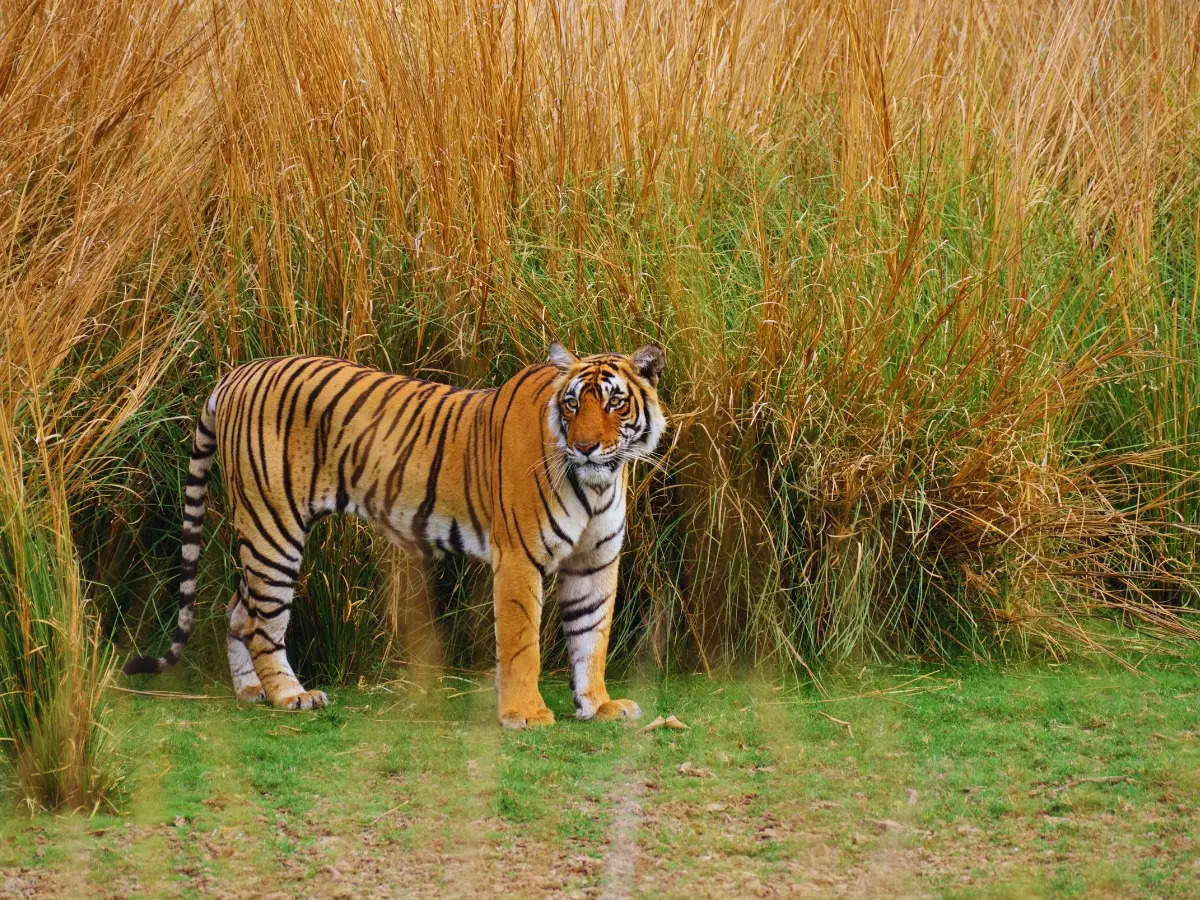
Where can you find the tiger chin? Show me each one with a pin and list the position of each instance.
(530, 477)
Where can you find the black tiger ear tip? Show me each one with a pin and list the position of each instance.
(649, 362)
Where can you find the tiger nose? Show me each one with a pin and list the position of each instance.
(586, 449)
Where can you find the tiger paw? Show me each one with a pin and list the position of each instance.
(517, 720)
(251, 693)
(304, 700)
(611, 710)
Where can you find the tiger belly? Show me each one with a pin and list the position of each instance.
(439, 534)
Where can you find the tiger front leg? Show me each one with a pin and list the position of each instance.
(518, 604)
(587, 590)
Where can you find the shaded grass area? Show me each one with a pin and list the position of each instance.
(1077, 779)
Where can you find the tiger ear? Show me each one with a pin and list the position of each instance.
(560, 356)
(649, 362)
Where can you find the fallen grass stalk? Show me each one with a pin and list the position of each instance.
(167, 695)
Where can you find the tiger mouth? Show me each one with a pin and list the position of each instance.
(596, 474)
(604, 465)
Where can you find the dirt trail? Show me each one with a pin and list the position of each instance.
(620, 859)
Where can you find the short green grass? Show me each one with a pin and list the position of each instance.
(1068, 780)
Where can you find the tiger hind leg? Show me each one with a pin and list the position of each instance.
(246, 686)
(269, 587)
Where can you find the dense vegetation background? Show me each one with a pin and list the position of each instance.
(925, 275)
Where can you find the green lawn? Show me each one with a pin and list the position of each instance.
(1079, 779)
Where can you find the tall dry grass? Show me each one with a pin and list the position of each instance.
(925, 274)
(86, 177)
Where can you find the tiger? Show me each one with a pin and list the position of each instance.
(530, 477)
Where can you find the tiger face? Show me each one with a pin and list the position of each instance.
(605, 410)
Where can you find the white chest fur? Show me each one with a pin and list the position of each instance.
(594, 528)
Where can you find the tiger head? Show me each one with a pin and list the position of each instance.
(605, 410)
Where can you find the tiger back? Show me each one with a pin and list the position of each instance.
(530, 477)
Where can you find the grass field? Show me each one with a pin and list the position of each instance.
(925, 273)
(1075, 780)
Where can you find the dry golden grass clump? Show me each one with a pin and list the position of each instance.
(925, 274)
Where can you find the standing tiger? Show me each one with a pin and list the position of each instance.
(529, 477)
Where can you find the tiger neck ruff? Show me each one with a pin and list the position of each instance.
(530, 477)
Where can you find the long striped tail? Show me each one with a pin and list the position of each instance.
(204, 447)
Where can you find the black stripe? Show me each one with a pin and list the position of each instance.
(254, 416)
(368, 497)
(258, 632)
(471, 455)
(433, 420)
(395, 479)
(275, 545)
(253, 459)
(342, 499)
(419, 396)
(354, 379)
(420, 521)
(234, 378)
(546, 544)
(590, 571)
(554, 526)
(604, 540)
(270, 582)
(462, 407)
(578, 612)
(466, 470)
(268, 390)
(290, 571)
(258, 596)
(260, 613)
(305, 522)
(570, 633)
(529, 646)
(565, 602)
(320, 438)
(368, 433)
(518, 381)
(607, 506)
(312, 395)
(521, 606)
(456, 543)
(309, 366)
(579, 495)
(520, 537)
